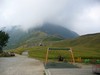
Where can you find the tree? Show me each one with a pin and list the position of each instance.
(3, 39)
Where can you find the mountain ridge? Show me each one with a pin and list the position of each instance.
(58, 30)
(47, 32)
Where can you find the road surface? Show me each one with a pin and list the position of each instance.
(84, 70)
(20, 65)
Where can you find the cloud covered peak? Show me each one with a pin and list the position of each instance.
(68, 13)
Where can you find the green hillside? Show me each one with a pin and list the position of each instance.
(86, 46)
(90, 41)
(83, 46)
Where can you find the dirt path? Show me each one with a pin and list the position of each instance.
(20, 65)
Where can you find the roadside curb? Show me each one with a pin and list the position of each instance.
(47, 72)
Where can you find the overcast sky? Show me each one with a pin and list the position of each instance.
(81, 16)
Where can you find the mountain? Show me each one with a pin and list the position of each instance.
(47, 32)
(16, 36)
(53, 29)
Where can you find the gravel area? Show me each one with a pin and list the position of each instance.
(20, 65)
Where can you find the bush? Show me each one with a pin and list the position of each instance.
(7, 54)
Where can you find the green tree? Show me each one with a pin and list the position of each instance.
(3, 39)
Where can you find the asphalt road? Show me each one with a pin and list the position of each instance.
(20, 65)
(69, 72)
(83, 70)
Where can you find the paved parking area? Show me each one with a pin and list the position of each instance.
(20, 65)
(70, 70)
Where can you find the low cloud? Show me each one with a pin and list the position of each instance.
(81, 16)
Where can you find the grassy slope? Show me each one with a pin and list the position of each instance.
(84, 46)
(87, 46)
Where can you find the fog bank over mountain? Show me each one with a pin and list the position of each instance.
(81, 16)
(46, 33)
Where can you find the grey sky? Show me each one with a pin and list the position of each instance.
(81, 16)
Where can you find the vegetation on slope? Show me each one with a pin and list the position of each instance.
(84, 46)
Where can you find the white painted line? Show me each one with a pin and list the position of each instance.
(47, 72)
